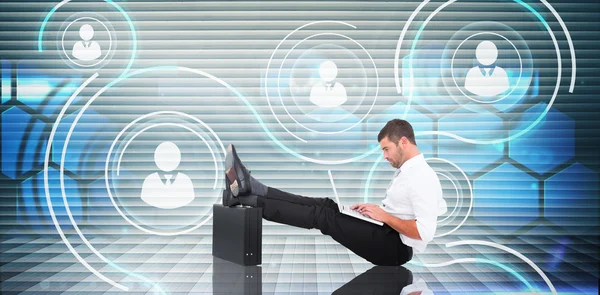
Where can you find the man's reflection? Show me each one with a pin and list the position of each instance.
(385, 280)
(378, 280)
(231, 278)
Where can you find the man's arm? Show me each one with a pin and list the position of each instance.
(405, 227)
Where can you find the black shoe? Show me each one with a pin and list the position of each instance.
(237, 174)
(228, 199)
(245, 201)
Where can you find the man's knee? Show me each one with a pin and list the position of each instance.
(324, 219)
(404, 260)
(388, 261)
(329, 203)
(403, 256)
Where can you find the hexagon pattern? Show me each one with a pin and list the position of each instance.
(506, 198)
(476, 126)
(571, 199)
(32, 206)
(549, 144)
(22, 142)
(42, 92)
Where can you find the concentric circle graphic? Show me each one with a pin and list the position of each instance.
(512, 88)
(129, 215)
(302, 78)
(457, 193)
(96, 61)
(309, 125)
(123, 13)
(513, 61)
(416, 40)
(73, 223)
(338, 118)
(462, 200)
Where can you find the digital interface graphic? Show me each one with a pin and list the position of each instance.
(116, 115)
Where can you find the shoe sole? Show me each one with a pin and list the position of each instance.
(230, 172)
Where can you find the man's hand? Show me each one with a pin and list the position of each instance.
(372, 211)
(405, 227)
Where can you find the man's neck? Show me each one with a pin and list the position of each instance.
(411, 153)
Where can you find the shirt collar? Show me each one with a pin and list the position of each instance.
(411, 162)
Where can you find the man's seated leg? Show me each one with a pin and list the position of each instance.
(240, 183)
(379, 245)
(276, 194)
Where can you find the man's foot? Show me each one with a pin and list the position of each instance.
(238, 177)
(229, 200)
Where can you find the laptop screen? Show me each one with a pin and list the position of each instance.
(337, 198)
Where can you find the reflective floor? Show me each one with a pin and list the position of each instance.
(293, 264)
(231, 278)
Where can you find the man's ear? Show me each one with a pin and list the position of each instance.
(403, 140)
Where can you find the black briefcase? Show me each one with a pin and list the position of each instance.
(237, 234)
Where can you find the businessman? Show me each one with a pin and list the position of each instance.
(412, 203)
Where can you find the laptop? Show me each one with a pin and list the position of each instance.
(346, 210)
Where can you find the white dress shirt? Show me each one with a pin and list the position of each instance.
(415, 193)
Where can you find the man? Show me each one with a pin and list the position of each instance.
(409, 212)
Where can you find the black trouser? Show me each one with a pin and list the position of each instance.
(380, 245)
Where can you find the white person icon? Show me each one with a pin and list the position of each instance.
(162, 190)
(326, 93)
(486, 79)
(88, 49)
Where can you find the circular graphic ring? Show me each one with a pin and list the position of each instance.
(411, 78)
(63, 42)
(107, 181)
(51, 208)
(477, 100)
(458, 195)
(279, 89)
(116, 6)
(269, 66)
(47, 161)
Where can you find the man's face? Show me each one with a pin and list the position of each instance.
(391, 152)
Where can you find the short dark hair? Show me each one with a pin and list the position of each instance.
(396, 129)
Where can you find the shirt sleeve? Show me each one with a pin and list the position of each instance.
(424, 196)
